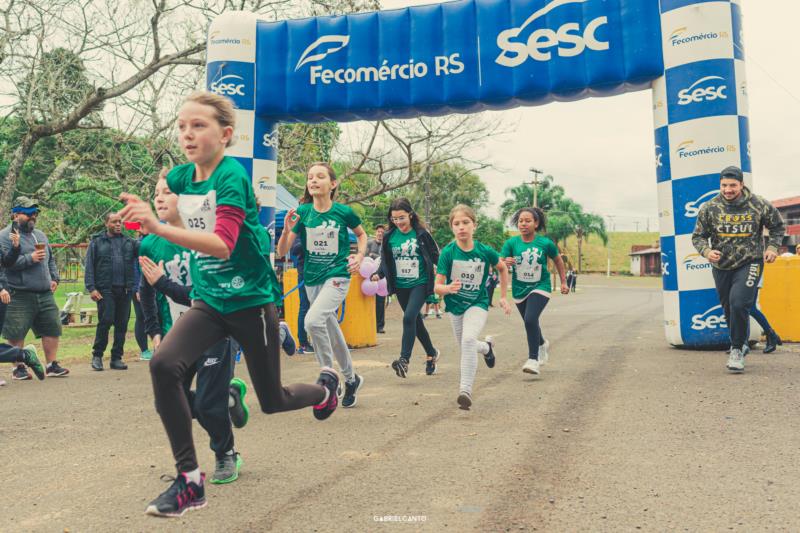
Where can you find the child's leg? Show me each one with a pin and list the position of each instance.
(214, 374)
(256, 329)
(472, 323)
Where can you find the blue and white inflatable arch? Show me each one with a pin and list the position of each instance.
(469, 55)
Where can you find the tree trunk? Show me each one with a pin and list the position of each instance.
(21, 155)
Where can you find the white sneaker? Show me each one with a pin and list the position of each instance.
(464, 400)
(736, 361)
(531, 366)
(544, 355)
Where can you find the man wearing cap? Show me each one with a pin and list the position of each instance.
(32, 279)
(729, 233)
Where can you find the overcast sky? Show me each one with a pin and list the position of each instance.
(601, 149)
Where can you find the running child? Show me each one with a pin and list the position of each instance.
(527, 254)
(219, 398)
(234, 290)
(322, 226)
(461, 279)
(408, 262)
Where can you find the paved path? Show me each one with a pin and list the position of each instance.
(620, 432)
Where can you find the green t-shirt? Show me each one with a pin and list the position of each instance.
(530, 265)
(243, 280)
(176, 268)
(409, 265)
(472, 268)
(326, 244)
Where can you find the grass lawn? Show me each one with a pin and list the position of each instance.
(76, 342)
(595, 254)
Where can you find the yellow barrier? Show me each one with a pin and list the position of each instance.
(358, 325)
(780, 297)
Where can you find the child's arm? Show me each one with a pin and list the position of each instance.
(502, 269)
(442, 288)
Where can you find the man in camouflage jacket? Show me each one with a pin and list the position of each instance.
(729, 233)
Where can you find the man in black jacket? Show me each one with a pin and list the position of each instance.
(109, 278)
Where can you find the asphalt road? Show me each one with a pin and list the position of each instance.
(619, 432)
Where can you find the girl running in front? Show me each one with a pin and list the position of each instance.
(408, 261)
(165, 295)
(322, 226)
(234, 290)
(527, 254)
(461, 279)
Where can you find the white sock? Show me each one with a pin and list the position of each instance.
(229, 452)
(193, 476)
(231, 401)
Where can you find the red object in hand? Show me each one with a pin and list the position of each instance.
(132, 225)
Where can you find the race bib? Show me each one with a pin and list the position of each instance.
(528, 272)
(322, 240)
(407, 268)
(467, 272)
(198, 212)
(176, 310)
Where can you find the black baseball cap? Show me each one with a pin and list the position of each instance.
(732, 173)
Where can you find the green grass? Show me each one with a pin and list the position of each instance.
(595, 254)
(76, 343)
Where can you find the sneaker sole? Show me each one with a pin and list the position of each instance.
(735, 370)
(234, 477)
(55, 375)
(242, 387)
(323, 413)
(36, 364)
(14, 378)
(464, 402)
(355, 394)
(153, 511)
(398, 369)
(531, 371)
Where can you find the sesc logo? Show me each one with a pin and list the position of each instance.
(569, 40)
(703, 90)
(230, 85)
(713, 318)
(664, 264)
(270, 140)
(695, 262)
(693, 208)
(659, 157)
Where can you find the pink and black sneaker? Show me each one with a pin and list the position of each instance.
(183, 495)
(329, 379)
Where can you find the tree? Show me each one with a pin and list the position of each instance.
(547, 196)
(568, 218)
(443, 187)
(491, 232)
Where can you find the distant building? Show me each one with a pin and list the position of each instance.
(645, 260)
(790, 211)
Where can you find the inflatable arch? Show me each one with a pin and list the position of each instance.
(469, 55)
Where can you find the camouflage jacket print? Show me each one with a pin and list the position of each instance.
(736, 229)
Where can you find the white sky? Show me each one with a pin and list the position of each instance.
(601, 149)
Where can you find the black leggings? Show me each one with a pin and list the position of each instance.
(256, 330)
(531, 309)
(411, 301)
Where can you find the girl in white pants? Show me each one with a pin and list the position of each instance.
(461, 278)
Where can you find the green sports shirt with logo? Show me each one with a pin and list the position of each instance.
(246, 278)
(472, 269)
(326, 243)
(530, 265)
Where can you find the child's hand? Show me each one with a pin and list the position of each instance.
(454, 287)
(505, 306)
(509, 261)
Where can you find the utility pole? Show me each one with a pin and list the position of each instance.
(608, 248)
(637, 225)
(535, 184)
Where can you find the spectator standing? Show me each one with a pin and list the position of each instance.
(32, 280)
(109, 278)
(374, 252)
